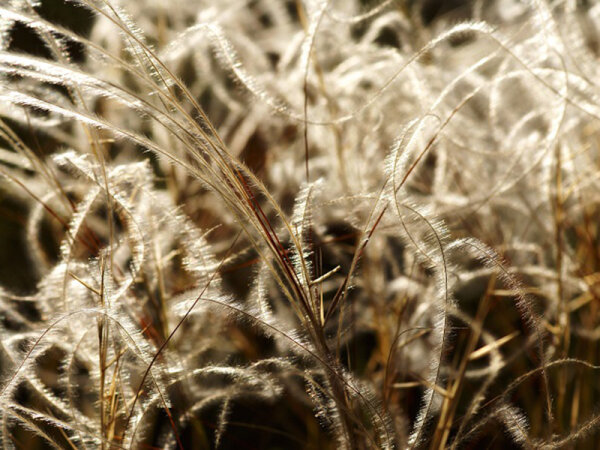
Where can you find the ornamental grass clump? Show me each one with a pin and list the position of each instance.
(299, 224)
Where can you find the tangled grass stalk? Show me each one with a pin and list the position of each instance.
(299, 224)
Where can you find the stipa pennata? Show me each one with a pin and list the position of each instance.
(287, 224)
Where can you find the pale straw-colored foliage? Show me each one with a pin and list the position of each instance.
(336, 224)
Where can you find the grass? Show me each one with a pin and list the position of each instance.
(287, 224)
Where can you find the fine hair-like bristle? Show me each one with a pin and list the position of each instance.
(299, 224)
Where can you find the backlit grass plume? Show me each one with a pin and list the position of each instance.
(299, 224)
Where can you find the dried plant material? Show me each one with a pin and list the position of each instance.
(299, 224)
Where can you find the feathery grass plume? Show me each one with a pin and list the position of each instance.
(299, 224)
